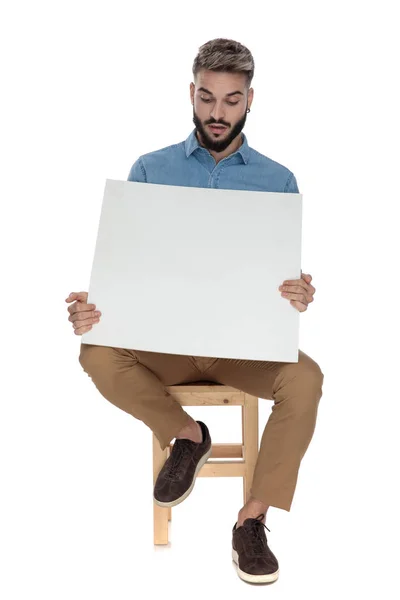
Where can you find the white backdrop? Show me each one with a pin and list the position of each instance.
(87, 88)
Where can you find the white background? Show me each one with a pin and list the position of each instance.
(87, 88)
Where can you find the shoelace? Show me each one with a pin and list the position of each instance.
(180, 452)
(257, 542)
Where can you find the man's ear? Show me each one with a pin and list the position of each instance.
(250, 96)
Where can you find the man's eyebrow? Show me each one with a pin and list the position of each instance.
(202, 89)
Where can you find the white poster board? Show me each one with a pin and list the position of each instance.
(196, 271)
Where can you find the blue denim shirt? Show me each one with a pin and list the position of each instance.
(189, 164)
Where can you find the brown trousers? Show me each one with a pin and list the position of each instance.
(135, 381)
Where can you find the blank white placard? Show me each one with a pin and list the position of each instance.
(196, 271)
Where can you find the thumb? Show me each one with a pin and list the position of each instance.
(76, 296)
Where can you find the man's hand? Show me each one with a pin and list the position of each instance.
(300, 292)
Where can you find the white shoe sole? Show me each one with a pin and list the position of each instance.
(253, 578)
(201, 462)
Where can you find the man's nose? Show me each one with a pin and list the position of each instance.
(218, 112)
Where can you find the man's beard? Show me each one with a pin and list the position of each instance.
(214, 144)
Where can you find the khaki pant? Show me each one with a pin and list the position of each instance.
(134, 381)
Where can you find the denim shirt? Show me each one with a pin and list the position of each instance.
(189, 164)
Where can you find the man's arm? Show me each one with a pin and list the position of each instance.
(137, 172)
(291, 185)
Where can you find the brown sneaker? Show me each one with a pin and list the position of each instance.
(176, 479)
(255, 562)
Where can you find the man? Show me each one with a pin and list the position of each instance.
(216, 154)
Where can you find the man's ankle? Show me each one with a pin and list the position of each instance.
(192, 431)
(253, 508)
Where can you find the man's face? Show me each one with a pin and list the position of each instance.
(223, 99)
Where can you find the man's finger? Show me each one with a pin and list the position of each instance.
(299, 305)
(297, 297)
(310, 289)
(297, 283)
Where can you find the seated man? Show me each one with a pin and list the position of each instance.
(216, 154)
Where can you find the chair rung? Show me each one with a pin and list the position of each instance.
(222, 469)
(224, 450)
(227, 451)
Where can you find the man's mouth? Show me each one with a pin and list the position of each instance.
(217, 128)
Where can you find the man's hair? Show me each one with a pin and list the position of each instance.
(225, 55)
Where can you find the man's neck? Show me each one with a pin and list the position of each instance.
(218, 156)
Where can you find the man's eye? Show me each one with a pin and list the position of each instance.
(230, 103)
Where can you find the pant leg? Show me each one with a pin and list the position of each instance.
(296, 389)
(135, 381)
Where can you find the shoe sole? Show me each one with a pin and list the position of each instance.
(201, 462)
(267, 578)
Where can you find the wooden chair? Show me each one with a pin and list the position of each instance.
(212, 394)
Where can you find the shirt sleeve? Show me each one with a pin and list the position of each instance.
(291, 185)
(137, 172)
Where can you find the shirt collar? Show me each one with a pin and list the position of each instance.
(191, 143)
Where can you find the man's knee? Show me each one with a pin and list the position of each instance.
(301, 384)
(312, 377)
(310, 369)
(91, 357)
(310, 380)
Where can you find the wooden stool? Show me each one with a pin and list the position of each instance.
(212, 394)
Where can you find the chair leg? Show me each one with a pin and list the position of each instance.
(250, 441)
(161, 514)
